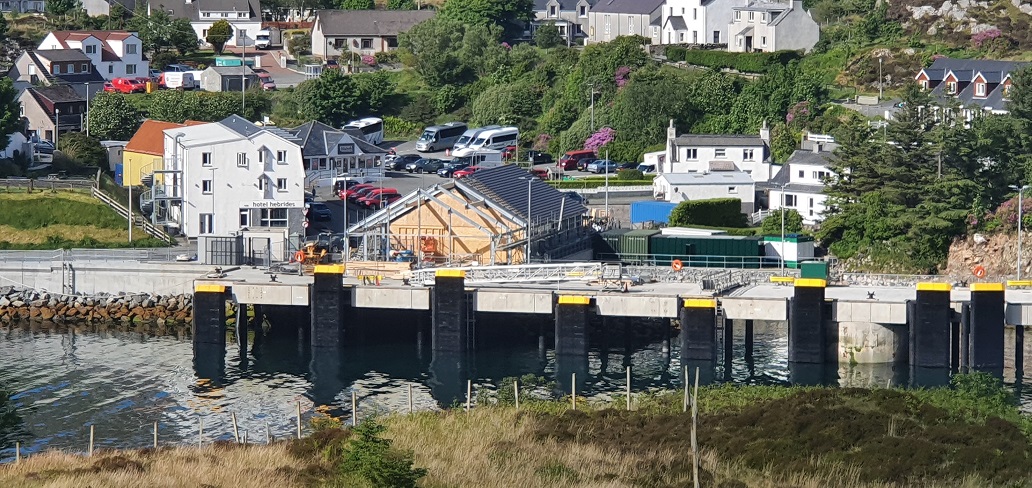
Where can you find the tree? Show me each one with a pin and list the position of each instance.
(218, 34)
(374, 89)
(1020, 103)
(547, 36)
(401, 5)
(161, 33)
(82, 150)
(113, 117)
(510, 15)
(435, 45)
(772, 224)
(179, 106)
(10, 112)
(357, 4)
(507, 104)
(60, 7)
(332, 98)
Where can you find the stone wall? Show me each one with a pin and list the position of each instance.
(16, 304)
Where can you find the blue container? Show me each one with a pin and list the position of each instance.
(118, 174)
(651, 211)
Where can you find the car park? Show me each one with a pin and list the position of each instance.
(318, 211)
(539, 157)
(464, 172)
(449, 169)
(399, 162)
(602, 166)
(572, 159)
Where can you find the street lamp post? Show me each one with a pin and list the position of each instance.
(880, 80)
(530, 179)
(1021, 191)
(593, 93)
(782, 253)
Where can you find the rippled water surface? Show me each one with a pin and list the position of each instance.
(121, 382)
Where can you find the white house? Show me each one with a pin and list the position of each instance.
(232, 175)
(115, 54)
(610, 19)
(22, 6)
(330, 152)
(772, 25)
(678, 187)
(697, 21)
(362, 32)
(800, 183)
(569, 16)
(245, 16)
(701, 153)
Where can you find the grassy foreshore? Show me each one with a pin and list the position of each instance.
(751, 436)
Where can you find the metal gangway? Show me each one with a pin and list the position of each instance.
(528, 273)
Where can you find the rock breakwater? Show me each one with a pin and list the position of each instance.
(20, 304)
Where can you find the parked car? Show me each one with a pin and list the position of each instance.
(540, 173)
(266, 80)
(370, 200)
(464, 172)
(358, 191)
(382, 200)
(399, 162)
(127, 85)
(154, 74)
(449, 169)
(318, 211)
(179, 68)
(626, 166)
(539, 157)
(602, 166)
(646, 168)
(571, 160)
(424, 165)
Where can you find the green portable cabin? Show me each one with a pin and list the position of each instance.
(708, 251)
(814, 269)
(607, 244)
(636, 245)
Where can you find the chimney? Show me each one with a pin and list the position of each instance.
(765, 132)
(671, 132)
(817, 147)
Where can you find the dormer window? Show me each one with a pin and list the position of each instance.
(763, 17)
(1006, 89)
(752, 16)
(553, 11)
(90, 49)
(951, 87)
(583, 11)
(738, 15)
(979, 89)
(130, 48)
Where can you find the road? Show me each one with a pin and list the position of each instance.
(283, 77)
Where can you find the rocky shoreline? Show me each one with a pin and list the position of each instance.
(20, 304)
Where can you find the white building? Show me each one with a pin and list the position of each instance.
(700, 153)
(329, 153)
(22, 6)
(233, 175)
(801, 182)
(697, 21)
(610, 19)
(679, 187)
(115, 54)
(245, 17)
(772, 25)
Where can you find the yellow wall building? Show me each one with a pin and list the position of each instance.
(145, 151)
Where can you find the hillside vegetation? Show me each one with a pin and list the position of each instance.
(63, 219)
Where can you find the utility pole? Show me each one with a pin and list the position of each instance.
(880, 80)
(592, 85)
(1021, 197)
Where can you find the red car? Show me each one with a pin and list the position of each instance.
(509, 152)
(108, 87)
(371, 199)
(464, 172)
(128, 85)
(352, 193)
(382, 200)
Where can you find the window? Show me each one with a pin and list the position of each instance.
(206, 159)
(367, 43)
(261, 182)
(281, 157)
(790, 200)
(281, 184)
(1006, 89)
(747, 154)
(951, 87)
(130, 48)
(720, 152)
(130, 69)
(241, 15)
(680, 37)
(241, 34)
(583, 11)
(56, 68)
(695, 37)
(732, 189)
(738, 15)
(241, 160)
(207, 14)
(802, 174)
(204, 33)
(763, 41)
(207, 224)
(553, 11)
(90, 49)
(110, 68)
(630, 25)
(206, 187)
(811, 206)
(691, 154)
(763, 17)
(85, 67)
(716, 37)
(695, 14)
(739, 41)
(606, 27)
(979, 89)
(924, 84)
(751, 15)
(261, 155)
(273, 217)
(245, 217)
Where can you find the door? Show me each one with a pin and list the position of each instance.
(748, 44)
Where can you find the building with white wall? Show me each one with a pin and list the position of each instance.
(610, 19)
(772, 25)
(115, 54)
(801, 182)
(697, 21)
(232, 175)
(702, 153)
(244, 16)
(679, 187)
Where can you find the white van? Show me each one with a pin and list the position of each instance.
(177, 80)
(492, 139)
(370, 127)
(438, 137)
(470, 135)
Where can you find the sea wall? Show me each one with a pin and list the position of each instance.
(18, 304)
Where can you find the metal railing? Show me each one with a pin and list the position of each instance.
(48, 184)
(890, 280)
(83, 255)
(529, 273)
(149, 228)
(667, 260)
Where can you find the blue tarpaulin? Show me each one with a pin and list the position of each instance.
(650, 211)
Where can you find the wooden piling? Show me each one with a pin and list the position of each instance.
(573, 389)
(298, 420)
(516, 392)
(469, 394)
(155, 435)
(236, 431)
(91, 440)
(354, 408)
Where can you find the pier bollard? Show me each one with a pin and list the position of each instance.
(930, 326)
(449, 312)
(327, 304)
(987, 320)
(209, 311)
(807, 334)
(698, 318)
(571, 325)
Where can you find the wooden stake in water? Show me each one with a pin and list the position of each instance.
(354, 408)
(245, 437)
(200, 432)
(469, 394)
(573, 389)
(236, 431)
(155, 435)
(298, 420)
(410, 398)
(628, 388)
(687, 388)
(516, 391)
(695, 424)
(17, 452)
(91, 440)
(268, 434)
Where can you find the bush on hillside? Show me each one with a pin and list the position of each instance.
(772, 224)
(720, 212)
(744, 62)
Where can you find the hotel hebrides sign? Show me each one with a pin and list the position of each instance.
(275, 204)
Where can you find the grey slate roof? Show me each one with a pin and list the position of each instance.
(240, 125)
(677, 23)
(315, 138)
(232, 70)
(719, 140)
(568, 5)
(181, 9)
(966, 70)
(942, 66)
(504, 186)
(337, 23)
(643, 7)
(56, 94)
(810, 158)
(716, 178)
(764, 6)
(63, 55)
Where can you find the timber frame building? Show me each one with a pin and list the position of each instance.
(481, 219)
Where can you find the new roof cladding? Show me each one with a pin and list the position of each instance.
(315, 137)
(942, 66)
(63, 55)
(642, 7)
(336, 23)
(507, 186)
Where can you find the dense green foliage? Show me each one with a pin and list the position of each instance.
(772, 224)
(357, 4)
(547, 36)
(113, 117)
(82, 150)
(719, 212)
(179, 106)
(758, 62)
(160, 33)
(360, 455)
(10, 110)
(218, 34)
(511, 15)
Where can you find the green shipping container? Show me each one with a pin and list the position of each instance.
(607, 244)
(814, 269)
(636, 245)
(714, 252)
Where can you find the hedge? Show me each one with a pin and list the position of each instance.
(717, 212)
(743, 62)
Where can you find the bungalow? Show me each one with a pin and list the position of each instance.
(772, 25)
(980, 83)
(115, 54)
(50, 110)
(363, 32)
(610, 19)
(245, 16)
